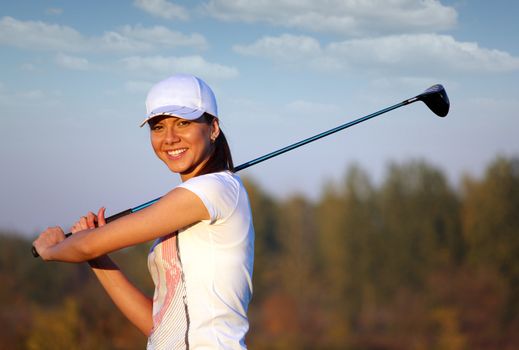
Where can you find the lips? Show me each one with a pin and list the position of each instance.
(176, 152)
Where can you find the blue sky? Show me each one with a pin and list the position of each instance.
(74, 76)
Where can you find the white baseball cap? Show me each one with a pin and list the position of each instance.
(181, 95)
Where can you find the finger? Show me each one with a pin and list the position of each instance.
(101, 221)
(75, 228)
(48, 238)
(58, 233)
(83, 224)
(91, 220)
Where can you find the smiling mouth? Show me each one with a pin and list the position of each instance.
(176, 152)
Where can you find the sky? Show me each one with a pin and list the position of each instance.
(74, 77)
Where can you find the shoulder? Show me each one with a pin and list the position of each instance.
(220, 192)
(221, 181)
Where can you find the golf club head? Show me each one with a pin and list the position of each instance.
(436, 99)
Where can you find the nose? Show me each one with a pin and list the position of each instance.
(171, 136)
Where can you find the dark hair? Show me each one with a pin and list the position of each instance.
(221, 158)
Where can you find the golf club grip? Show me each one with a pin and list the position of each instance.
(108, 219)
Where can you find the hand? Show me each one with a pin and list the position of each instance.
(47, 239)
(90, 221)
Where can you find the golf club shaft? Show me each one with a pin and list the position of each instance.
(319, 136)
(270, 155)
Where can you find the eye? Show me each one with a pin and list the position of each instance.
(183, 122)
(156, 127)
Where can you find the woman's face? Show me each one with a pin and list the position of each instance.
(184, 145)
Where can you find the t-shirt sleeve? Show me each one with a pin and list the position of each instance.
(219, 192)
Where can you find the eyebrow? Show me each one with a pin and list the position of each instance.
(160, 118)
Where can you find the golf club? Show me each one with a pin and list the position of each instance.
(434, 97)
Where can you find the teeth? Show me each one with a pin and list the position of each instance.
(176, 152)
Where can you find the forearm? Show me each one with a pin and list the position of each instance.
(84, 245)
(89, 242)
(136, 306)
(73, 249)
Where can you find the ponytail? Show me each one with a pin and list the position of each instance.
(221, 158)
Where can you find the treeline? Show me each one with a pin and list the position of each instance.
(411, 263)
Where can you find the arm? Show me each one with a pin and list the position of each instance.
(134, 305)
(177, 209)
(89, 243)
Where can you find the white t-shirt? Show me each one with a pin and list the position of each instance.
(203, 274)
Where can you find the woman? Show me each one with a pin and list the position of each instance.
(201, 261)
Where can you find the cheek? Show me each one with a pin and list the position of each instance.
(205, 140)
(200, 137)
(155, 143)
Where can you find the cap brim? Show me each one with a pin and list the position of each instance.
(174, 111)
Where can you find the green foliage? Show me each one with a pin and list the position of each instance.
(491, 223)
(55, 329)
(420, 223)
(266, 245)
(61, 306)
(411, 263)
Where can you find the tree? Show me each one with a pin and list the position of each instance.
(56, 329)
(346, 220)
(490, 219)
(420, 224)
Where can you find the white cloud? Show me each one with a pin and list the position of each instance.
(286, 47)
(28, 67)
(54, 11)
(163, 8)
(345, 17)
(13, 97)
(168, 65)
(410, 52)
(72, 62)
(37, 35)
(423, 51)
(383, 83)
(161, 37)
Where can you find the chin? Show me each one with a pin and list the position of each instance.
(180, 170)
(176, 170)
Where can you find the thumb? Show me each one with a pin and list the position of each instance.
(101, 221)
